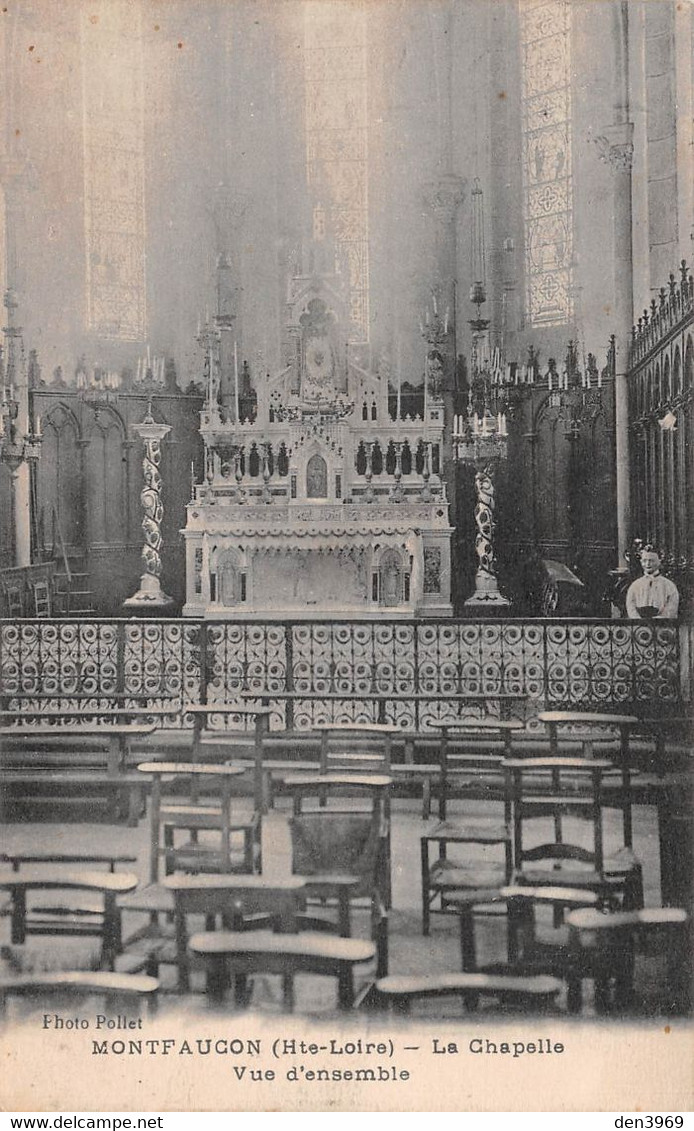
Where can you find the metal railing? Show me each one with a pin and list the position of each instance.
(414, 673)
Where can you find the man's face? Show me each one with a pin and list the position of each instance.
(650, 563)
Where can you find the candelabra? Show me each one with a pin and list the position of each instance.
(17, 447)
(20, 441)
(576, 394)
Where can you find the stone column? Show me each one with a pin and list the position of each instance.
(150, 597)
(616, 148)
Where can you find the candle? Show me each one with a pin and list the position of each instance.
(549, 380)
(38, 425)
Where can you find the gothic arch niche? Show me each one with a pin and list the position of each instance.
(60, 477)
(105, 478)
(316, 478)
(391, 579)
(230, 578)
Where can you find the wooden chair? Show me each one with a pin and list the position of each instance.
(555, 875)
(343, 857)
(14, 601)
(594, 733)
(267, 952)
(228, 902)
(117, 990)
(359, 748)
(104, 924)
(445, 876)
(552, 789)
(42, 598)
(196, 814)
(534, 993)
(78, 906)
(606, 947)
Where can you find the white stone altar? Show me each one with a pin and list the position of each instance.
(321, 503)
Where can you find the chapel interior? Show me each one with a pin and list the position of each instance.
(346, 505)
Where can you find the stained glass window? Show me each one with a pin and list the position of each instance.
(114, 201)
(337, 140)
(547, 186)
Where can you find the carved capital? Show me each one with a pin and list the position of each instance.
(616, 147)
(444, 196)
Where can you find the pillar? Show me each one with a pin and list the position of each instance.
(617, 151)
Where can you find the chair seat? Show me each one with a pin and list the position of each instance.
(559, 877)
(152, 898)
(447, 874)
(486, 832)
(84, 981)
(621, 862)
(510, 986)
(465, 898)
(331, 882)
(306, 944)
(198, 858)
(203, 817)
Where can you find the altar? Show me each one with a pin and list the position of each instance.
(318, 501)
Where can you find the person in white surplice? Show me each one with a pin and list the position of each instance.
(652, 595)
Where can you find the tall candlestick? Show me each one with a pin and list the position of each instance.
(236, 381)
(398, 412)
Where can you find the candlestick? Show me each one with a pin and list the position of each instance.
(236, 382)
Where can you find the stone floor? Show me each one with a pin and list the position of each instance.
(410, 952)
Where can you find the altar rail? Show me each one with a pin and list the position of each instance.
(432, 667)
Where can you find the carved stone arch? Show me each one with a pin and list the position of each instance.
(61, 416)
(103, 420)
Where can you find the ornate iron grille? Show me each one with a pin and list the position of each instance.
(413, 673)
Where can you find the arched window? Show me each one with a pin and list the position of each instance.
(316, 478)
(336, 119)
(546, 113)
(114, 140)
